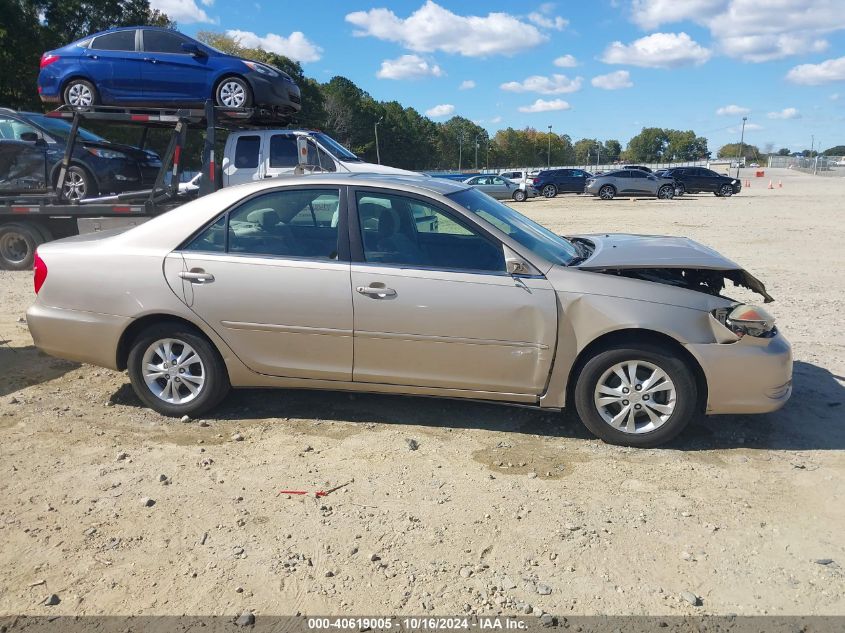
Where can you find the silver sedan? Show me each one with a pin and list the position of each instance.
(410, 285)
(630, 182)
(502, 188)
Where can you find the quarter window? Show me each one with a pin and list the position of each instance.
(410, 232)
(294, 223)
(117, 41)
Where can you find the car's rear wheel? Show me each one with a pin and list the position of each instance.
(549, 191)
(726, 191)
(176, 371)
(519, 195)
(78, 185)
(17, 245)
(607, 192)
(80, 93)
(666, 192)
(636, 395)
(233, 92)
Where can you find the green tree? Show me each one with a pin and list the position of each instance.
(784, 151)
(837, 150)
(685, 146)
(612, 151)
(586, 151)
(20, 49)
(649, 146)
(731, 150)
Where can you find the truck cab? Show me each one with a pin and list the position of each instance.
(266, 153)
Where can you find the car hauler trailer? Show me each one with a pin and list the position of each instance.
(30, 219)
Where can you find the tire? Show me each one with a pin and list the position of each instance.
(233, 92)
(679, 405)
(18, 242)
(209, 376)
(680, 190)
(666, 192)
(79, 184)
(607, 192)
(80, 93)
(519, 195)
(549, 191)
(726, 191)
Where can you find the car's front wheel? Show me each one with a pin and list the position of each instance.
(233, 92)
(636, 395)
(607, 192)
(519, 195)
(666, 192)
(177, 371)
(726, 191)
(78, 184)
(549, 191)
(80, 93)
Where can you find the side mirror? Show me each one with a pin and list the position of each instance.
(30, 137)
(516, 265)
(193, 49)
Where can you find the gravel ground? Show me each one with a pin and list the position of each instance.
(116, 510)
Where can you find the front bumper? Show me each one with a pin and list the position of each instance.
(753, 375)
(592, 189)
(275, 92)
(85, 337)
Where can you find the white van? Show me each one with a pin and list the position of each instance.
(257, 154)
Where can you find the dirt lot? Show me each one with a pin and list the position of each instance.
(498, 510)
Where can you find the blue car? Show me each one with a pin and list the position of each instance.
(150, 66)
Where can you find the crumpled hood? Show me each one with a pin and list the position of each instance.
(620, 251)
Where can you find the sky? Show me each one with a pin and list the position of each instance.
(600, 69)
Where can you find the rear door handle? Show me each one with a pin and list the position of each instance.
(197, 277)
(379, 293)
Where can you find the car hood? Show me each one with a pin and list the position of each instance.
(625, 252)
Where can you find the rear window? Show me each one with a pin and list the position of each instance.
(117, 41)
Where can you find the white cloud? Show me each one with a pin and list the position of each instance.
(296, 45)
(444, 109)
(541, 105)
(565, 61)
(548, 22)
(554, 85)
(732, 110)
(815, 74)
(496, 119)
(408, 67)
(613, 81)
(751, 30)
(185, 11)
(433, 28)
(834, 96)
(208, 3)
(659, 50)
(467, 84)
(786, 113)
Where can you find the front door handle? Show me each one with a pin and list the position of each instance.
(197, 276)
(378, 293)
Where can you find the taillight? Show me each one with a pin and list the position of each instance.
(534, 181)
(40, 272)
(48, 58)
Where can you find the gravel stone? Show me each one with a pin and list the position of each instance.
(237, 437)
(52, 600)
(147, 502)
(688, 596)
(543, 589)
(245, 619)
(412, 444)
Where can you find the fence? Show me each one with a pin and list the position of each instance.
(818, 165)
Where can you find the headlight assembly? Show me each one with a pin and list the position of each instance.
(747, 320)
(105, 153)
(262, 69)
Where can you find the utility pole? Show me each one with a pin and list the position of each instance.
(812, 144)
(549, 156)
(741, 142)
(476, 151)
(598, 154)
(375, 128)
(460, 149)
(487, 162)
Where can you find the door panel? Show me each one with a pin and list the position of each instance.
(169, 73)
(114, 65)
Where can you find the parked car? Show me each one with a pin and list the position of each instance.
(156, 66)
(551, 182)
(630, 182)
(699, 179)
(640, 167)
(519, 175)
(256, 286)
(502, 188)
(32, 146)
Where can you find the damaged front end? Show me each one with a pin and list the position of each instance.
(710, 282)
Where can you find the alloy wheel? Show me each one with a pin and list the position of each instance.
(606, 193)
(75, 187)
(173, 371)
(635, 396)
(232, 94)
(727, 191)
(80, 95)
(665, 192)
(549, 191)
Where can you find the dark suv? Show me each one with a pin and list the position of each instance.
(32, 146)
(554, 181)
(699, 179)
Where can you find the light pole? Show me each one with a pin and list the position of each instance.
(549, 155)
(378, 154)
(598, 154)
(487, 162)
(460, 149)
(477, 136)
(741, 143)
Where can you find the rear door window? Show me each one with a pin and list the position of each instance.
(117, 41)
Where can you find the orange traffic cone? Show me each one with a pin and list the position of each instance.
(770, 185)
(780, 185)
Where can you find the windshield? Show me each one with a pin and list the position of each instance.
(61, 128)
(336, 149)
(536, 238)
